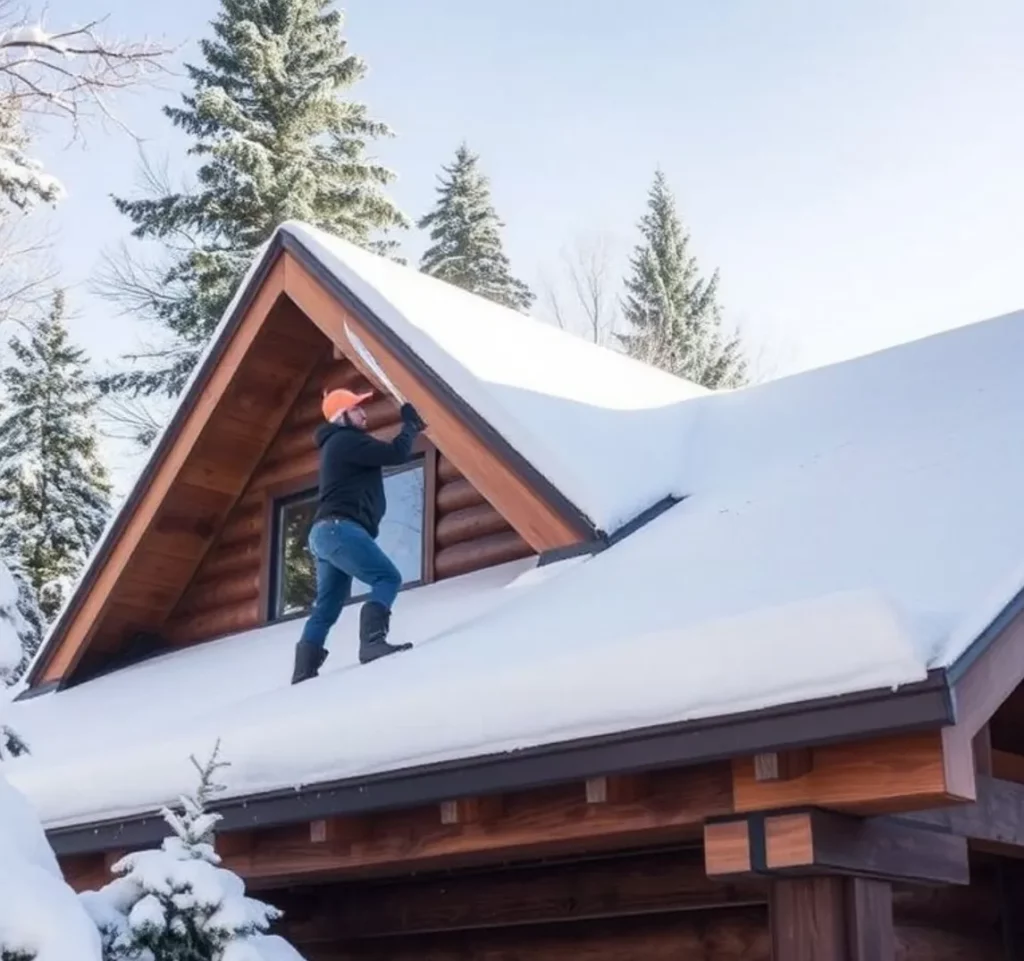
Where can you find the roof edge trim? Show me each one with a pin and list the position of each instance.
(924, 705)
(167, 437)
(473, 421)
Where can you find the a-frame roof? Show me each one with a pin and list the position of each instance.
(565, 438)
(847, 562)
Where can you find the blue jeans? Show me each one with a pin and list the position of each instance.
(343, 550)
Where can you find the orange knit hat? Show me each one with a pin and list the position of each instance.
(338, 401)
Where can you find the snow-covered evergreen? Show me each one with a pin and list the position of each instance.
(465, 233)
(16, 637)
(176, 903)
(276, 141)
(40, 917)
(672, 311)
(54, 491)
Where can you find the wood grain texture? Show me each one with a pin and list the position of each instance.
(807, 917)
(870, 931)
(884, 775)
(541, 823)
(480, 553)
(226, 383)
(628, 885)
(727, 848)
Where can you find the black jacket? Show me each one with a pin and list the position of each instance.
(351, 475)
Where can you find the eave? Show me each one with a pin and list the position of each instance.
(927, 705)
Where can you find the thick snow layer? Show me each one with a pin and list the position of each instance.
(604, 429)
(39, 914)
(845, 529)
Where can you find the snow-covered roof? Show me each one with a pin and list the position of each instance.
(589, 419)
(845, 529)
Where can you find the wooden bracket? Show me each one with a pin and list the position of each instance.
(617, 789)
(783, 765)
(472, 810)
(814, 842)
(882, 776)
(338, 830)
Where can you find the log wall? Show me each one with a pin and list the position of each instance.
(629, 908)
(230, 590)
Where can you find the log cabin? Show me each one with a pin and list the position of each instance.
(730, 676)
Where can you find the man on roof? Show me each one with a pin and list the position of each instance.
(343, 538)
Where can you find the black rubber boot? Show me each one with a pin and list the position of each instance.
(308, 660)
(374, 622)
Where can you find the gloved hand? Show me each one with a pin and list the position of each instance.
(410, 416)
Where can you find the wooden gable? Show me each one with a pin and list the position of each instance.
(187, 557)
(230, 591)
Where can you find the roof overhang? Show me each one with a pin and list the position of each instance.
(926, 705)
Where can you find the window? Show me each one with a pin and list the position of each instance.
(293, 576)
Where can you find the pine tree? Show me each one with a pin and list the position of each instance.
(176, 903)
(54, 491)
(465, 231)
(16, 636)
(275, 141)
(674, 319)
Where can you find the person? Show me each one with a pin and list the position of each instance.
(343, 536)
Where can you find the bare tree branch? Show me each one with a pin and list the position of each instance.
(584, 299)
(67, 76)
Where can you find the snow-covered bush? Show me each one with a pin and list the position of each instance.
(176, 903)
(41, 919)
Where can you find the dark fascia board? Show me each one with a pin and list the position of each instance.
(916, 707)
(167, 438)
(512, 460)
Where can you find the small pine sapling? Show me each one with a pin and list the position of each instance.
(176, 903)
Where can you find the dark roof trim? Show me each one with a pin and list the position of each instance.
(981, 644)
(156, 457)
(921, 706)
(599, 544)
(470, 419)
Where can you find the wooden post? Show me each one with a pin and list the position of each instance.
(832, 919)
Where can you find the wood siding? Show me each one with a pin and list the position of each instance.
(644, 905)
(230, 591)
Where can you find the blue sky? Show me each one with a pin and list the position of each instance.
(854, 170)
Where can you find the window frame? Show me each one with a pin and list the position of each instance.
(280, 496)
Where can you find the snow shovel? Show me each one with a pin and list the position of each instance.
(368, 359)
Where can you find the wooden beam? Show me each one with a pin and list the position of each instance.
(870, 932)
(832, 919)
(86, 872)
(553, 821)
(880, 776)
(472, 810)
(994, 823)
(782, 765)
(624, 886)
(616, 789)
(1007, 766)
(735, 934)
(981, 747)
(990, 679)
(536, 520)
(822, 842)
